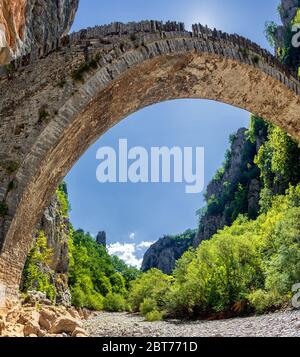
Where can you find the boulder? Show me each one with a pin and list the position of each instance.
(79, 332)
(65, 324)
(74, 313)
(30, 24)
(46, 319)
(33, 328)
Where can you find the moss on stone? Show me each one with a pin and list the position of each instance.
(77, 74)
(10, 166)
(3, 209)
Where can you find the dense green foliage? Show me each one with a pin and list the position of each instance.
(250, 266)
(96, 279)
(152, 285)
(37, 275)
(129, 273)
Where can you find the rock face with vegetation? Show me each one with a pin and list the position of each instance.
(164, 253)
(280, 37)
(47, 266)
(235, 188)
(71, 267)
(30, 24)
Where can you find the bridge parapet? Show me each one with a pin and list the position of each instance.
(115, 33)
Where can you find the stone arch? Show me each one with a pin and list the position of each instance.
(55, 105)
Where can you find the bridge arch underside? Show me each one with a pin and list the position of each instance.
(161, 78)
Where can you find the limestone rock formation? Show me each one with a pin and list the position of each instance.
(164, 253)
(288, 11)
(56, 229)
(284, 34)
(222, 190)
(29, 24)
(101, 238)
(28, 320)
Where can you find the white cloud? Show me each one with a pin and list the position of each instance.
(130, 253)
(126, 252)
(144, 245)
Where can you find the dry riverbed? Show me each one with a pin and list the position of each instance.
(280, 324)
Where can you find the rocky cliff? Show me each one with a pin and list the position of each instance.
(164, 253)
(235, 189)
(56, 228)
(29, 24)
(289, 11)
(57, 231)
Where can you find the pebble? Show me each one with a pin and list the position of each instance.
(283, 324)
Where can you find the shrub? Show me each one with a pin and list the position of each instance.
(270, 32)
(95, 301)
(37, 274)
(43, 114)
(77, 74)
(151, 285)
(118, 284)
(264, 301)
(147, 306)
(154, 315)
(78, 297)
(93, 278)
(114, 303)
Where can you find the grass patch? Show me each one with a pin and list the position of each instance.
(154, 315)
(77, 74)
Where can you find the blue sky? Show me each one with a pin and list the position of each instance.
(135, 214)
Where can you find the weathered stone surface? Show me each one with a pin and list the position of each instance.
(46, 319)
(27, 321)
(79, 332)
(165, 252)
(211, 222)
(64, 324)
(32, 328)
(101, 238)
(26, 25)
(288, 11)
(52, 109)
(74, 313)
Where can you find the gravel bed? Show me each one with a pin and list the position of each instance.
(280, 324)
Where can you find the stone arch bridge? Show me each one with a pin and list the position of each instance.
(56, 102)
